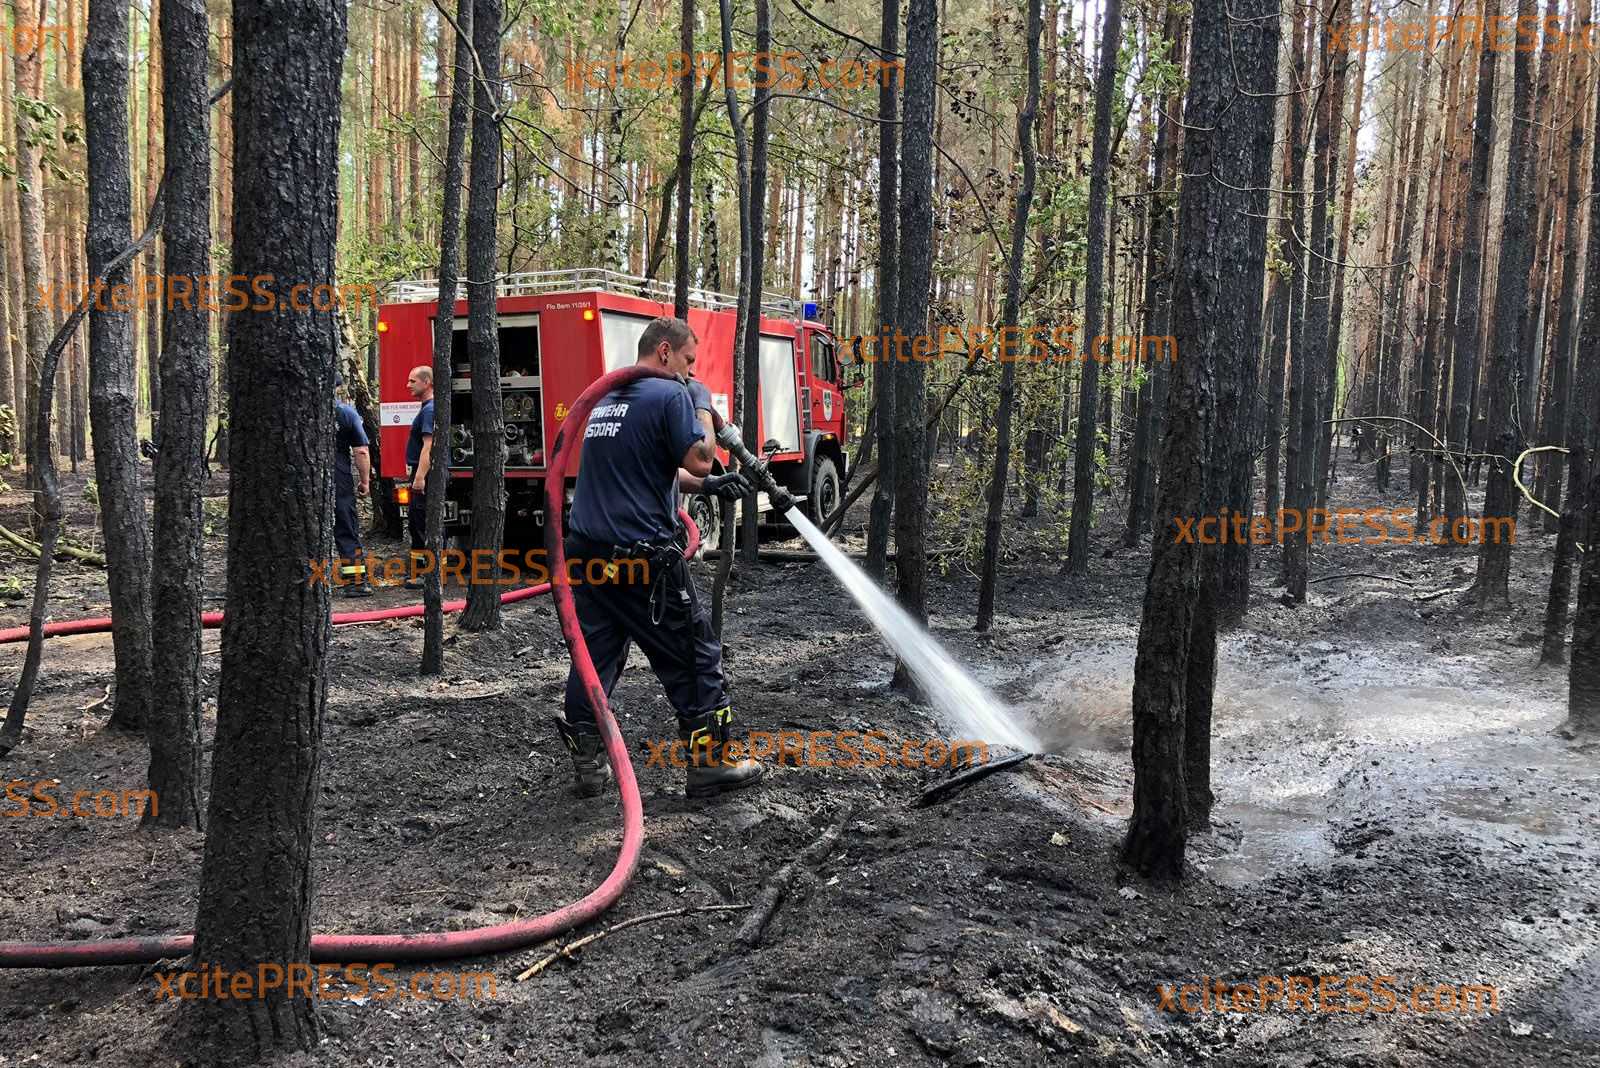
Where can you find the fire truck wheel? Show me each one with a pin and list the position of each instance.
(707, 515)
(824, 490)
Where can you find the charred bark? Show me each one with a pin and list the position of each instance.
(883, 372)
(185, 392)
(483, 333)
(1083, 460)
(288, 63)
(113, 387)
(911, 315)
(1508, 413)
(444, 335)
(1011, 316)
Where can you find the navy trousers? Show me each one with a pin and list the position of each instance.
(665, 618)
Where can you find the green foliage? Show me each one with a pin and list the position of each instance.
(9, 436)
(214, 515)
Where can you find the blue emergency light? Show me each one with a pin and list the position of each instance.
(811, 310)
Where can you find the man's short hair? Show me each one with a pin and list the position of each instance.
(675, 332)
(424, 371)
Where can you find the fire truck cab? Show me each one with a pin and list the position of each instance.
(561, 330)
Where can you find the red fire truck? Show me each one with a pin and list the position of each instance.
(561, 330)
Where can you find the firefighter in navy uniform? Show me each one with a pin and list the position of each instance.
(419, 455)
(350, 445)
(645, 442)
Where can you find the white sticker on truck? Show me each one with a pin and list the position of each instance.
(398, 413)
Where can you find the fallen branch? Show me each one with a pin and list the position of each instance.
(568, 949)
(33, 550)
(1441, 593)
(955, 783)
(98, 703)
(1364, 574)
(766, 904)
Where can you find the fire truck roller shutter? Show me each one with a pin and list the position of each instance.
(619, 338)
(780, 398)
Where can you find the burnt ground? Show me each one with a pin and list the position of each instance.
(1394, 800)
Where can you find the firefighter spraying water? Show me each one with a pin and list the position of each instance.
(960, 700)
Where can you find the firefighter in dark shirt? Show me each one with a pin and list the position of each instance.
(350, 445)
(644, 443)
(419, 455)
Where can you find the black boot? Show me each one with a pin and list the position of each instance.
(590, 768)
(711, 772)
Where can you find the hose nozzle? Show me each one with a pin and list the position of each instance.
(729, 438)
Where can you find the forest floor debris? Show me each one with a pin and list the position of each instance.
(1393, 799)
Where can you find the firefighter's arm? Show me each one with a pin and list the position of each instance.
(419, 482)
(698, 460)
(363, 460)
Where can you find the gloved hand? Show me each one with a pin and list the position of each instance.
(699, 394)
(729, 487)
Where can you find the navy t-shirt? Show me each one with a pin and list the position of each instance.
(422, 424)
(628, 484)
(351, 435)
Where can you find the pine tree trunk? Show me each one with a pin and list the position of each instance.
(444, 333)
(749, 546)
(1468, 329)
(27, 71)
(1508, 412)
(483, 338)
(914, 287)
(1011, 317)
(113, 381)
(180, 469)
(884, 375)
(1085, 442)
(273, 690)
(1209, 240)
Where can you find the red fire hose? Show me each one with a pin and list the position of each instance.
(481, 940)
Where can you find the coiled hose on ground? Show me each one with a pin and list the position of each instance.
(370, 948)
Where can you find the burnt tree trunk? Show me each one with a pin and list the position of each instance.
(1158, 830)
(911, 315)
(1464, 367)
(1507, 414)
(749, 540)
(288, 59)
(1583, 681)
(1233, 463)
(1157, 296)
(1011, 316)
(1242, 165)
(30, 182)
(444, 335)
(113, 386)
(1093, 300)
(483, 334)
(883, 372)
(185, 392)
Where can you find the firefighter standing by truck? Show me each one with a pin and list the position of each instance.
(350, 445)
(419, 454)
(645, 442)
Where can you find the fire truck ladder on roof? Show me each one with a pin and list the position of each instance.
(529, 283)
